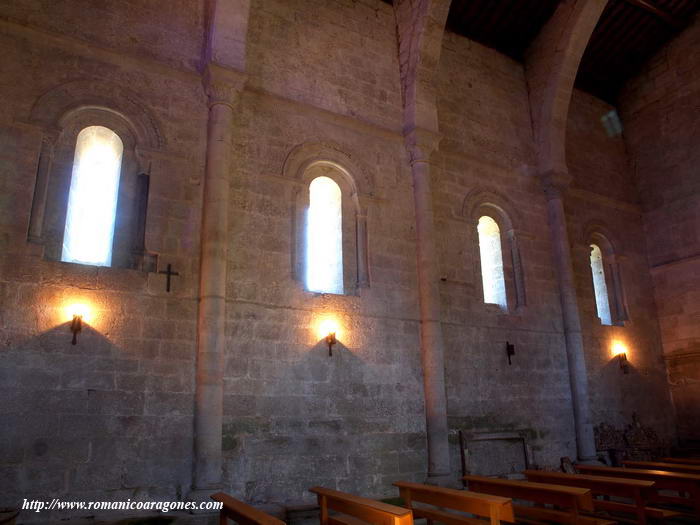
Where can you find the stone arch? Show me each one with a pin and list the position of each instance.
(487, 202)
(310, 154)
(61, 114)
(62, 102)
(490, 202)
(303, 164)
(596, 233)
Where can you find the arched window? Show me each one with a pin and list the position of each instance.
(92, 201)
(491, 262)
(324, 237)
(599, 285)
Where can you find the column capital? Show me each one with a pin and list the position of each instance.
(420, 143)
(223, 85)
(555, 182)
(50, 136)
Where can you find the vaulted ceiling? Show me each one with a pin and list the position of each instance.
(627, 35)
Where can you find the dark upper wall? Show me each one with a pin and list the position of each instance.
(662, 129)
(172, 31)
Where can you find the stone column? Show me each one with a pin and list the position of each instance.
(554, 186)
(223, 88)
(362, 259)
(41, 186)
(420, 144)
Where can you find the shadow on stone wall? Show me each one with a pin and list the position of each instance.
(92, 421)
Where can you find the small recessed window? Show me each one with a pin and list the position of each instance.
(324, 237)
(491, 262)
(600, 287)
(92, 201)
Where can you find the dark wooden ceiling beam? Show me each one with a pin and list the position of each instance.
(649, 6)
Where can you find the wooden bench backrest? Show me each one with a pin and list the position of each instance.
(633, 473)
(486, 505)
(598, 484)
(684, 461)
(664, 479)
(242, 513)
(367, 510)
(563, 496)
(671, 467)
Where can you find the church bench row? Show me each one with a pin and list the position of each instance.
(242, 513)
(489, 498)
(669, 467)
(495, 508)
(684, 461)
(356, 510)
(574, 502)
(639, 491)
(664, 480)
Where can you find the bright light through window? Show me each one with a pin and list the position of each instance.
(491, 262)
(324, 240)
(599, 286)
(92, 201)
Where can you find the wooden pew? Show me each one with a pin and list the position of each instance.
(671, 467)
(355, 510)
(684, 461)
(242, 513)
(637, 490)
(663, 479)
(495, 508)
(573, 500)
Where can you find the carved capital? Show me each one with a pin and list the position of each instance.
(555, 183)
(223, 85)
(420, 143)
(50, 137)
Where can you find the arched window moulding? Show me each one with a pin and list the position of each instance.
(606, 276)
(486, 203)
(304, 165)
(60, 115)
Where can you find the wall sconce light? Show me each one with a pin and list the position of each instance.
(330, 339)
(510, 351)
(624, 364)
(76, 326)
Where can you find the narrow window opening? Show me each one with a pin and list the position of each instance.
(324, 239)
(599, 286)
(491, 262)
(92, 200)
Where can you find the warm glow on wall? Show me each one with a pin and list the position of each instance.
(619, 348)
(327, 325)
(81, 309)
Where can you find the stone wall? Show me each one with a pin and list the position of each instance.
(111, 417)
(485, 154)
(662, 131)
(484, 116)
(603, 200)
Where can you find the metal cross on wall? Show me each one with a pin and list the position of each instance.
(169, 273)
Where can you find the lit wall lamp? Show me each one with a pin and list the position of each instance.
(330, 339)
(76, 326)
(624, 364)
(619, 351)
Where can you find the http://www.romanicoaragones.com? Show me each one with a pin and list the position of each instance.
(162, 506)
